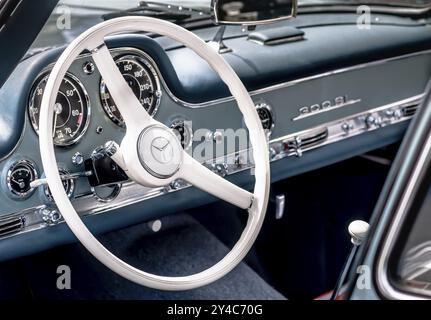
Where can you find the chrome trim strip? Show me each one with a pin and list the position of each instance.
(399, 104)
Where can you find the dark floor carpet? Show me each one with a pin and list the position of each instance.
(182, 247)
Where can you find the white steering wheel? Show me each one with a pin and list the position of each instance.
(150, 152)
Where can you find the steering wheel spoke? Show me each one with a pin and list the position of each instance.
(203, 178)
(125, 100)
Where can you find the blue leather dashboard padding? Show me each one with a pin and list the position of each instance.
(301, 21)
(47, 238)
(18, 34)
(326, 48)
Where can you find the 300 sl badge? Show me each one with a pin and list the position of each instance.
(327, 105)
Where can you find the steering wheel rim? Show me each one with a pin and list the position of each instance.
(93, 40)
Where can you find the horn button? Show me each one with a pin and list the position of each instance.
(159, 151)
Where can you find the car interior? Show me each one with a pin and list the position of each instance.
(194, 150)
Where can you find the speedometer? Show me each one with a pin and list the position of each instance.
(71, 109)
(142, 78)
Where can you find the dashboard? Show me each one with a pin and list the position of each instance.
(312, 118)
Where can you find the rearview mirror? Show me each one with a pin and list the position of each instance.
(252, 12)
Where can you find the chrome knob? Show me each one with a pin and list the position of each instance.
(389, 113)
(370, 121)
(176, 184)
(238, 161)
(398, 114)
(272, 153)
(297, 147)
(378, 121)
(108, 149)
(220, 168)
(77, 159)
(50, 216)
(346, 127)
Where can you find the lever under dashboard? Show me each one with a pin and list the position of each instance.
(43, 181)
(105, 170)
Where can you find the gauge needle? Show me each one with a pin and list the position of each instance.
(57, 111)
(21, 184)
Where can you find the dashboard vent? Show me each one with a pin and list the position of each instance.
(310, 141)
(11, 225)
(306, 141)
(409, 109)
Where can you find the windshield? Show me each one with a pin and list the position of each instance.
(72, 17)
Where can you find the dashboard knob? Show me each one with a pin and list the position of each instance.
(275, 149)
(177, 184)
(77, 159)
(398, 114)
(220, 168)
(378, 121)
(370, 121)
(50, 216)
(346, 127)
(389, 113)
(272, 153)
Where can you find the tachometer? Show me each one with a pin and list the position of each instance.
(71, 110)
(142, 78)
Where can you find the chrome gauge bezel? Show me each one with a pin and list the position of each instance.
(75, 79)
(115, 191)
(32, 167)
(146, 62)
(47, 192)
(267, 107)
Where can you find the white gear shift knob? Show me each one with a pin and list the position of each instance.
(358, 230)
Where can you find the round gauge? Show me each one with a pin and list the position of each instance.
(71, 110)
(19, 176)
(266, 117)
(68, 185)
(142, 79)
(183, 132)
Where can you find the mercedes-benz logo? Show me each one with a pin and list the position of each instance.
(159, 151)
(162, 150)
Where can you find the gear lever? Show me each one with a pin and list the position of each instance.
(358, 230)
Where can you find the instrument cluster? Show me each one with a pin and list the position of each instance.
(73, 114)
(72, 110)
